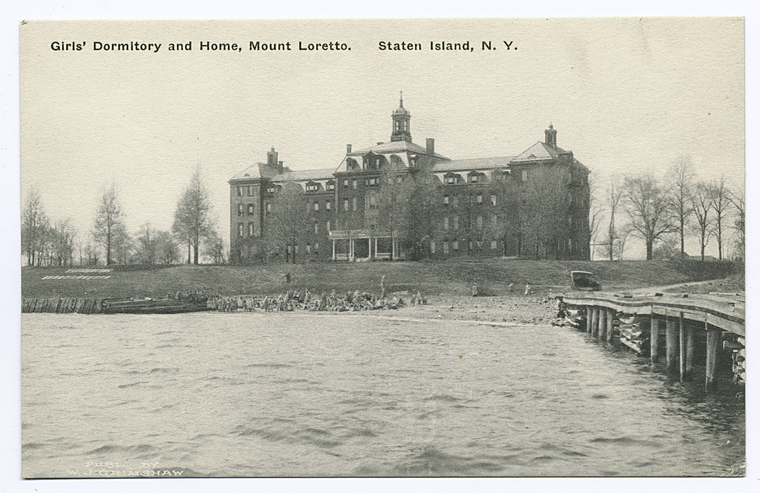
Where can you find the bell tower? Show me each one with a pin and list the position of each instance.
(401, 117)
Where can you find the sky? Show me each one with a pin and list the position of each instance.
(628, 96)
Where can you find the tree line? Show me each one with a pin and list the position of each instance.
(55, 242)
(665, 212)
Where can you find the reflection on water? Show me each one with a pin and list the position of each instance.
(342, 395)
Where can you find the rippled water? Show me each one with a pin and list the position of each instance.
(212, 394)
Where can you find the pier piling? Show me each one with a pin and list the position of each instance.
(654, 340)
(671, 344)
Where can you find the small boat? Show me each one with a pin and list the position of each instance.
(584, 281)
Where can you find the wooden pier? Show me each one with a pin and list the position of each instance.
(674, 318)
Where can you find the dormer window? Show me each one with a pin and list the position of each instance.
(331, 185)
(312, 186)
(271, 188)
(451, 179)
(473, 178)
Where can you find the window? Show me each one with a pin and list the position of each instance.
(525, 175)
(327, 205)
(271, 188)
(308, 249)
(353, 204)
(399, 179)
(316, 228)
(445, 247)
(456, 201)
(240, 209)
(432, 247)
(456, 222)
(479, 198)
(445, 223)
(240, 191)
(372, 202)
(480, 222)
(316, 206)
(312, 187)
(493, 199)
(493, 244)
(316, 248)
(345, 183)
(250, 229)
(480, 245)
(455, 245)
(240, 230)
(250, 209)
(372, 182)
(451, 180)
(331, 185)
(354, 183)
(269, 207)
(345, 205)
(445, 200)
(250, 190)
(327, 226)
(296, 249)
(473, 178)
(494, 221)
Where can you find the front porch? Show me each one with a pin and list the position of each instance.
(361, 245)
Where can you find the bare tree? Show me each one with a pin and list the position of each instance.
(395, 189)
(215, 248)
(719, 200)
(614, 194)
(648, 209)
(423, 212)
(62, 242)
(681, 176)
(737, 199)
(147, 245)
(192, 220)
(595, 211)
(34, 222)
(108, 222)
(288, 220)
(700, 206)
(167, 250)
(545, 196)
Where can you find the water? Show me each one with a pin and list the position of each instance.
(210, 394)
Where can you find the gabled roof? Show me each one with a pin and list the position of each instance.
(305, 175)
(540, 151)
(486, 163)
(258, 170)
(394, 147)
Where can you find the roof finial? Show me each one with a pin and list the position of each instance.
(401, 99)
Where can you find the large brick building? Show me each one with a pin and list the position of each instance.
(534, 204)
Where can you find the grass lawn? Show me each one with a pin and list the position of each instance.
(453, 277)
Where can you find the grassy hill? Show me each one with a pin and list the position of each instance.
(448, 278)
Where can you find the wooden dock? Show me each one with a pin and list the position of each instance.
(679, 318)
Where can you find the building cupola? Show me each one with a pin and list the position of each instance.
(401, 117)
(551, 136)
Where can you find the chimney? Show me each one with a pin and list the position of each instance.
(430, 146)
(279, 166)
(348, 148)
(551, 136)
(272, 158)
